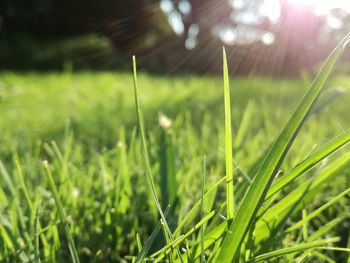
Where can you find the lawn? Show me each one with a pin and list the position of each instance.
(81, 130)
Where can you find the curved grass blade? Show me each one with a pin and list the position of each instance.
(145, 152)
(255, 195)
(310, 162)
(276, 212)
(294, 249)
(144, 146)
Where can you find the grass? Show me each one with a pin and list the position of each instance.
(255, 195)
(112, 174)
(230, 202)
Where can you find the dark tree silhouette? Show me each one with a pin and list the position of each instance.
(140, 27)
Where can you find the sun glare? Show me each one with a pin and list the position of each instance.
(272, 9)
(323, 6)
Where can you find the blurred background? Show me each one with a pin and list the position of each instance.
(266, 37)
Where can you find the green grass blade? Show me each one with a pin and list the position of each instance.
(61, 213)
(348, 245)
(312, 186)
(244, 125)
(36, 236)
(23, 185)
(294, 249)
(317, 184)
(7, 179)
(168, 182)
(194, 210)
(202, 212)
(262, 181)
(145, 152)
(305, 259)
(167, 241)
(316, 212)
(165, 250)
(322, 257)
(325, 228)
(211, 238)
(310, 162)
(138, 242)
(228, 142)
(340, 249)
(145, 249)
(144, 146)
(305, 226)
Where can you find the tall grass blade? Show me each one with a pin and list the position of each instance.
(169, 184)
(23, 185)
(202, 209)
(71, 245)
(7, 179)
(255, 195)
(145, 152)
(36, 236)
(228, 142)
(244, 125)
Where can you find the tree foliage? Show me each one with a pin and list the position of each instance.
(256, 41)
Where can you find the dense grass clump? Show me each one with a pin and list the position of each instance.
(200, 173)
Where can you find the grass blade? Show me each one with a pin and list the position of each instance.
(319, 210)
(262, 181)
(145, 152)
(144, 146)
(202, 212)
(165, 250)
(193, 211)
(294, 249)
(145, 249)
(228, 142)
(23, 185)
(36, 236)
(310, 162)
(325, 228)
(312, 187)
(61, 213)
(168, 182)
(244, 125)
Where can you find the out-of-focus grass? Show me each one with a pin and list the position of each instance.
(35, 105)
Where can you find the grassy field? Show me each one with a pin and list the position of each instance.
(80, 130)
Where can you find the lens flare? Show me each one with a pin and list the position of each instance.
(323, 6)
